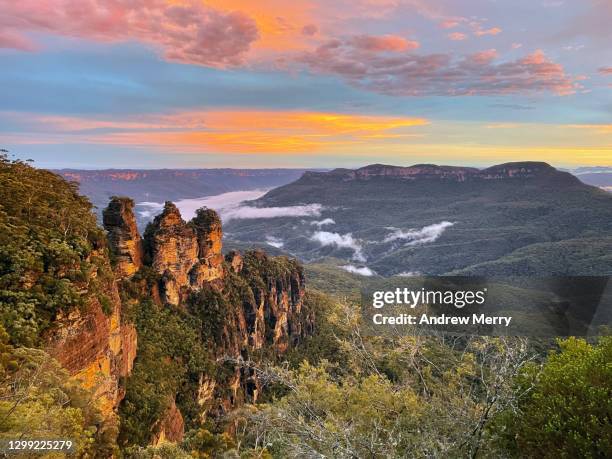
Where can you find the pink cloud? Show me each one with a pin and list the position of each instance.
(449, 24)
(457, 36)
(310, 30)
(491, 31)
(605, 70)
(380, 43)
(189, 32)
(410, 74)
(483, 57)
(517, 45)
(14, 41)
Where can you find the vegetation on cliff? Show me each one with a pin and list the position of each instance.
(253, 365)
(51, 251)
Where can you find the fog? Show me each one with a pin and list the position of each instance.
(232, 206)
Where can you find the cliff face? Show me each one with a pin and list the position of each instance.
(125, 242)
(96, 346)
(185, 254)
(516, 170)
(245, 303)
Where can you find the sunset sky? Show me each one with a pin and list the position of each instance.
(278, 83)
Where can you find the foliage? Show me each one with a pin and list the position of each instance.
(360, 396)
(203, 444)
(170, 358)
(566, 410)
(163, 451)
(38, 400)
(48, 239)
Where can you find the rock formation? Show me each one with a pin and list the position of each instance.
(171, 426)
(262, 298)
(515, 170)
(96, 346)
(185, 254)
(125, 242)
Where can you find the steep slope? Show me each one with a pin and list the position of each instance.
(198, 316)
(438, 219)
(153, 331)
(57, 289)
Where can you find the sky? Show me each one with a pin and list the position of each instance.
(277, 83)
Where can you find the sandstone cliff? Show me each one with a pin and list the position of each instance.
(247, 305)
(96, 345)
(419, 172)
(125, 242)
(185, 254)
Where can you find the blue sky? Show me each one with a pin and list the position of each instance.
(155, 83)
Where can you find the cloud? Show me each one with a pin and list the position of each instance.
(517, 45)
(573, 47)
(381, 43)
(410, 74)
(424, 235)
(491, 31)
(342, 241)
(10, 40)
(605, 70)
(274, 242)
(187, 32)
(233, 206)
(310, 30)
(231, 131)
(408, 274)
(457, 36)
(362, 270)
(449, 24)
(248, 212)
(326, 221)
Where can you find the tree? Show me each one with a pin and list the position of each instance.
(566, 409)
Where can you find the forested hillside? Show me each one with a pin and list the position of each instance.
(160, 347)
(510, 219)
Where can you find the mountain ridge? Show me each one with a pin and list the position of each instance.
(441, 219)
(520, 169)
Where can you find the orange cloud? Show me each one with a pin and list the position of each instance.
(457, 36)
(491, 31)
(377, 43)
(449, 24)
(596, 128)
(231, 131)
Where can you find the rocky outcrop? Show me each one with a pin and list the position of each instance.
(261, 300)
(235, 261)
(125, 243)
(186, 255)
(269, 319)
(516, 170)
(96, 346)
(170, 428)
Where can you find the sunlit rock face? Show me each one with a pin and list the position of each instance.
(97, 346)
(262, 297)
(170, 427)
(126, 245)
(186, 255)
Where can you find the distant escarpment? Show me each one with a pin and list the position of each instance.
(515, 170)
(516, 218)
(198, 315)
